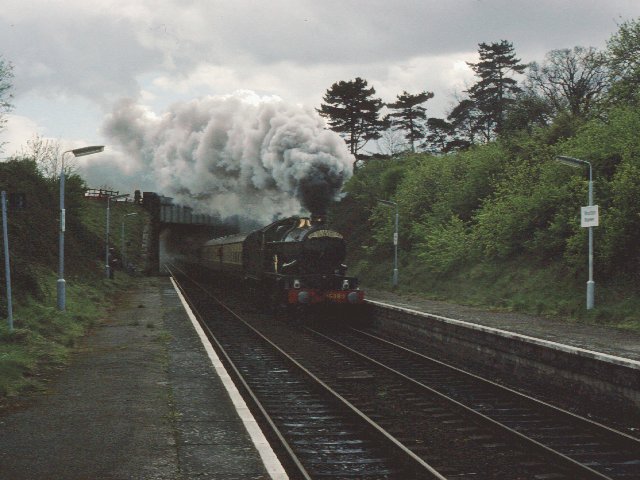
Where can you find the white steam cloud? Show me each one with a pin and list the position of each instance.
(235, 155)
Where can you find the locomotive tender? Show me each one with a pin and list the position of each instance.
(294, 261)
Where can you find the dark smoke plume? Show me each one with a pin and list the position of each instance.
(236, 155)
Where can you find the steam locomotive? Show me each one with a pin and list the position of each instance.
(294, 261)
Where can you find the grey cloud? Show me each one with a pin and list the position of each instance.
(95, 57)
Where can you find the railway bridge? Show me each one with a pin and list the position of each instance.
(175, 230)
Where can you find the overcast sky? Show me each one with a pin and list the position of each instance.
(75, 60)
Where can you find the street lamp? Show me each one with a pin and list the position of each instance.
(106, 258)
(395, 241)
(7, 263)
(124, 257)
(61, 284)
(577, 163)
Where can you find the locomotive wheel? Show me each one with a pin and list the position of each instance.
(273, 300)
(278, 306)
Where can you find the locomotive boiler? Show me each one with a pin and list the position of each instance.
(294, 261)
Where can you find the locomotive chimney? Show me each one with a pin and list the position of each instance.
(318, 218)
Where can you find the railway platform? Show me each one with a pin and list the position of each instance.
(586, 368)
(602, 342)
(140, 400)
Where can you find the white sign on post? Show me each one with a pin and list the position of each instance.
(590, 216)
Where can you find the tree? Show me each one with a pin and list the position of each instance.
(353, 112)
(391, 143)
(6, 77)
(495, 90)
(464, 121)
(528, 112)
(570, 80)
(409, 115)
(46, 154)
(439, 136)
(623, 60)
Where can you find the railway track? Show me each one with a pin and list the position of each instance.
(318, 433)
(574, 439)
(348, 405)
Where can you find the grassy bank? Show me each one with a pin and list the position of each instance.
(512, 286)
(43, 338)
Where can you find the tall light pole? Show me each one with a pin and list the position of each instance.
(578, 163)
(124, 257)
(106, 258)
(395, 241)
(7, 264)
(61, 284)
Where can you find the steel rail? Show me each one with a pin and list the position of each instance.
(567, 461)
(403, 449)
(418, 463)
(613, 434)
(301, 470)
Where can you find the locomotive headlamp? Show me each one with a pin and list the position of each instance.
(304, 297)
(296, 283)
(354, 297)
(345, 284)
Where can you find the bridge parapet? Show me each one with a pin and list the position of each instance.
(167, 212)
(184, 215)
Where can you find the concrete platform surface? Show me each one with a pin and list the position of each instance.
(595, 338)
(140, 400)
(144, 399)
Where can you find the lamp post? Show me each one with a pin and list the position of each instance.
(395, 241)
(61, 284)
(578, 163)
(124, 257)
(106, 258)
(7, 264)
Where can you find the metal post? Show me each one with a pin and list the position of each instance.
(576, 162)
(591, 286)
(106, 255)
(124, 256)
(122, 252)
(106, 259)
(395, 241)
(7, 265)
(61, 284)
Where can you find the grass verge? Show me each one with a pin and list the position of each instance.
(44, 337)
(513, 286)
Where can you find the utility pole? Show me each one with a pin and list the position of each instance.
(7, 265)
(395, 241)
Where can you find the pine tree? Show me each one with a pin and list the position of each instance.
(352, 111)
(440, 136)
(410, 115)
(495, 90)
(465, 121)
